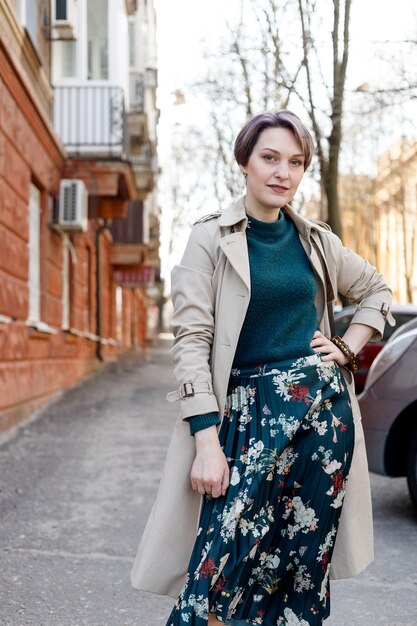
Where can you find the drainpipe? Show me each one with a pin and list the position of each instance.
(99, 281)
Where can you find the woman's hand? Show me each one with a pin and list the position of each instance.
(356, 336)
(327, 348)
(210, 471)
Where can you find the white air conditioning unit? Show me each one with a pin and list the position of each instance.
(64, 19)
(73, 205)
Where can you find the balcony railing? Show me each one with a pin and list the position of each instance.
(91, 119)
(145, 159)
(137, 92)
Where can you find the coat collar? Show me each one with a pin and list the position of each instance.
(236, 214)
(234, 246)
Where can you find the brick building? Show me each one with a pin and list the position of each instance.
(74, 292)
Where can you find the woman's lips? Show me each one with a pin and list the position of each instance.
(278, 188)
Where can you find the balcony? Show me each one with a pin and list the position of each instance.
(128, 247)
(145, 166)
(136, 92)
(91, 120)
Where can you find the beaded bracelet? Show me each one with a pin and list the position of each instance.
(353, 362)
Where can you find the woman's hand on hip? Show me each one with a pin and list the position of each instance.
(324, 346)
(210, 471)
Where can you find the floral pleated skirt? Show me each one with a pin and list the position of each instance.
(262, 553)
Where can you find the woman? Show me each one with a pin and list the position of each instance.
(269, 400)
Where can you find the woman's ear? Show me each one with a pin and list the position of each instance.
(243, 170)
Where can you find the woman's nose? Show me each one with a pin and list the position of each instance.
(281, 170)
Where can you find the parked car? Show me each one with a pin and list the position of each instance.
(389, 409)
(403, 329)
(403, 313)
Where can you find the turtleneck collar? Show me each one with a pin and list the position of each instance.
(266, 230)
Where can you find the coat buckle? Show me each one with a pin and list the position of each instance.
(187, 390)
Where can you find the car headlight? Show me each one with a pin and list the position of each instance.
(389, 355)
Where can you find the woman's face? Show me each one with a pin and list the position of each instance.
(274, 171)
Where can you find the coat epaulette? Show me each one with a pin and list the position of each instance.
(324, 225)
(208, 217)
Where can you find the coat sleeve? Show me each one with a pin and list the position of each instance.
(192, 324)
(363, 284)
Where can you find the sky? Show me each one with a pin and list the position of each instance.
(185, 26)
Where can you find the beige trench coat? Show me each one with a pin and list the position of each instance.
(211, 291)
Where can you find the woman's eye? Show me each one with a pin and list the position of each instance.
(296, 162)
(268, 157)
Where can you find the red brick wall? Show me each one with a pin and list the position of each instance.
(33, 364)
(134, 319)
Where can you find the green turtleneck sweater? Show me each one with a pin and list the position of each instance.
(281, 317)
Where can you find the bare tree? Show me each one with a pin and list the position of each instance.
(249, 74)
(328, 143)
(277, 65)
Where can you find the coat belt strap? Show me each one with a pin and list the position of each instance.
(188, 390)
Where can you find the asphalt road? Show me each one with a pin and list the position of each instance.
(77, 483)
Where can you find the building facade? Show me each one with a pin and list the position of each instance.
(78, 204)
(380, 217)
(397, 203)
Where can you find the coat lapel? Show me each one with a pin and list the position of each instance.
(233, 220)
(235, 248)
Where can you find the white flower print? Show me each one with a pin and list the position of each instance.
(336, 384)
(240, 398)
(259, 525)
(338, 499)
(323, 591)
(272, 561)
(332, 466)
(289, 425)
(290, 619)
(302, 579)
(199, 606)
(327, 543)
(320, 427)
(204, 554)
(255, 450)
(326, 370)
(303, 515)
(231, 516)
(244, 419)
(303, 361)
(286, 460)
(284, 381)
(326, 455)
(304, 518)
(265, 572)
(235, 476)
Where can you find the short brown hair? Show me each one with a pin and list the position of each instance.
(281, 118)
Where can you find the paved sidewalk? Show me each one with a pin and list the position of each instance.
(77, 485)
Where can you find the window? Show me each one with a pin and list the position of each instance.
(65, 283)
(88, 296)
(27, 12)
(97, 39)
(34, 254)
(61, 9)
(131, 44)
(68, 59)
